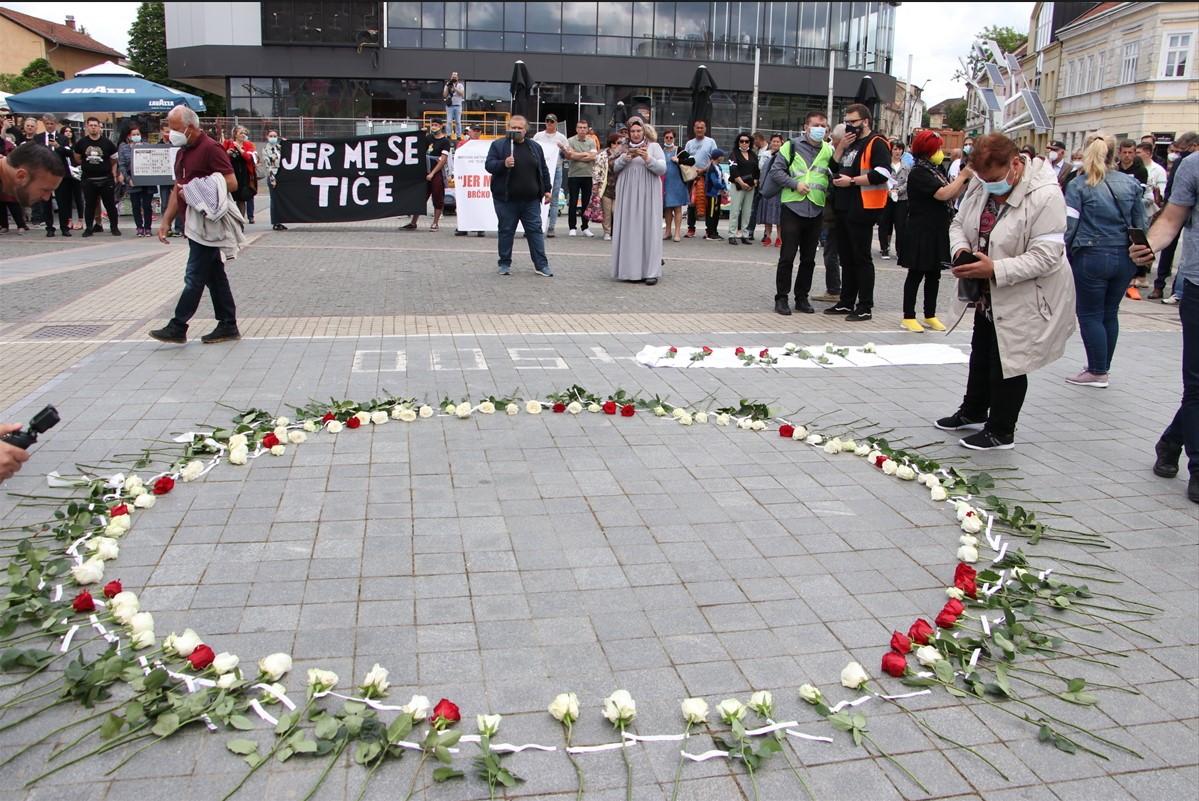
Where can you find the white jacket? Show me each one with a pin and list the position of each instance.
(213, 219)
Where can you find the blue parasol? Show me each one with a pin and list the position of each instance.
(107, 88)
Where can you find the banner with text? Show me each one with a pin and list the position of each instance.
(472, 186)
(343, 180)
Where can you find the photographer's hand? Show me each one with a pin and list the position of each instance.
(11, 457)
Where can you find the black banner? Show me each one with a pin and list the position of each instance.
(343, 180)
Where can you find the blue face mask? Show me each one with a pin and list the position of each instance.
(907, 160)
(998, 187)
(816, 133)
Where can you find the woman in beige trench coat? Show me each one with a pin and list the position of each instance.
(1013, 220)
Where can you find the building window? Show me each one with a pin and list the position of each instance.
(1092, 79)
(1044, 26)
(322, 23)
(1102, 73)
(1128, 68)
(1176, 54)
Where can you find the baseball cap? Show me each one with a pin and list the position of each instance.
(717, 154)
(1056, 145)
(551, 117)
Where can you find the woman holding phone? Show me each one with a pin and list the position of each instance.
(637, 223)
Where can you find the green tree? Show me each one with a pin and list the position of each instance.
(1008, 39)
(148, 54)
(36, 73)
(955, 116)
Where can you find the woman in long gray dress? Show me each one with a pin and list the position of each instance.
(637, 224)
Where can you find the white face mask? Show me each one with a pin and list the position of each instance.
(1076, 165)
(1173, 156)
(1052, 156)
(178, 138)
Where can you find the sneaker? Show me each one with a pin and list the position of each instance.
(733, 240)
(115, 231)
(1088, 379)
(550, 234)
(587, 233)
(1193, 488)
(607, 237)
(168, 333)
(885, 256)
(572, 232)
(745, 240)
(456, 233)
(690, 233)
(546, 273)
(778, 243)
(828, 297)
(803, 307)
(1170, 301)
(1166, 464)
(505, 270)
(934, 323)
(49, 232)
(910, 324)
(959, 422)
(66, 232)
(222, 333)
(838, 309)
(90, 232)
(860, 316)
(479, 234)
(708, 238)
(781, 306)
(1132, 294)
(986, 441)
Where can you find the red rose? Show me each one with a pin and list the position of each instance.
(353, 422)
(964, 569)
(445, 714)
(628, 410)
(559, 408)
(201, 657)
(164, 485)
(112, 588)
(964, 579)
(739, 351)
(946, 619)
(118, 510)
(328, 417)
(83, 602)
(920, 632)
(786, 430)
(673, 349)
(270, 441)
(879, 460)
(899, 643)
(707, 350)
(765, 352)
(894, 664)
(954, 607)
(609, 407)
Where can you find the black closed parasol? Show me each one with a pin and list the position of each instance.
(523, 102)
(702, 87)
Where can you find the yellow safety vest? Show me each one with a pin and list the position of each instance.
(815, 176)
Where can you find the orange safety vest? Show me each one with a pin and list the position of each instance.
(874, 197)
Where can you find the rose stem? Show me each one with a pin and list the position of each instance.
(628, 767)
(33, 714)
(678, 771)
(894, 762)
(1090, 683)
(416, 774)
(47, 736)
(278, 744)
(128, 738)
(575, 762)
(328, 767)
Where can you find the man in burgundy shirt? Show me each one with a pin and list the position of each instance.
(199, 156)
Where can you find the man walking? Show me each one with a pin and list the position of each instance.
(555, 138)
(97, 155)
(1180, 148)
(863, 168)
(1055, 154)
(700, 148)
(520, 179)
(802, 169)
(164, 191)
(49, 138)
(581, 153)
(199, 157)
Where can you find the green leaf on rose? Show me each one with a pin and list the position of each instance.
(166, 725)
(444, 774)
(242, 747)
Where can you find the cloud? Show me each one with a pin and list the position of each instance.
(938, 34)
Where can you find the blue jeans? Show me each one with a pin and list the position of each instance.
(205, 269)
(453, 116)
(553, 218)
(1101, 277)
(1184, 430)
(140, 199)
(528, 212)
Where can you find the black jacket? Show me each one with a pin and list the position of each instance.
(502, 148)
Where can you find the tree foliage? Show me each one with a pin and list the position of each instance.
(36, 73)
(1008, 39)
(148, 54)
(955, 116)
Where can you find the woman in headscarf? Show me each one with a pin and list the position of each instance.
(637, 223)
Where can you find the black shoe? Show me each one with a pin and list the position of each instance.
(169, 333)
(802, 306)
(88, 233)
(49, 232)
(838, 309)
(479, 234)
(66, 232)
(462, 233)
(222, 333)
(860, 316)
(115, 231)
(986, 441)
(733, 240)
(959, 422)
(745, 240)
(97, 228)
(1193, 488)
(1166, 465)
(651, 281)
(782, 307)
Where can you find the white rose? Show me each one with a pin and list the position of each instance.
(487, 407)
(511, 409)
(488, 724)
(407, 415)
(142, 621)
(533, 407)
(874, 454)
(961, 509)
(376, 682)
(758, 425)
(931, 480)
(123, 606)
(854, 676)
(426, 411)
(275, 696)
(574, 407)
(938, 493)
(278, 450)
(275, 666)
(334, 427)
(224, 662)
(565, 708)
(192, 470)
(789, 346)
(814, 439)
(972, 524)
(676, 412)
(967, 539)
(869, 348)
(145, 501)
(118, 525)
(321, 680)
(686, 419)
(363, 417)
(240, 454)
(282, 421)
(280, 432)
(105, 548)
(861, 450)
(968, 553)
(620, 708)
(701, 417)
(132, 483)
(722, 419)
(89, 572)
(832, 446)
(659, 411)
(463, 410)
(142, 639)
(595, 408)
(730, 709)
(418, 707)
(905, 473)
(928, 656)
(238, 441)
(800, 434)
(810, 694)
(762, 702)
(449, 408)
(890, 467)
(695, 710)
(955, 593)
(848, 445)
(395, 412)
(310, 426)
(297, 437)
(182, 644)
(137, 491)
(744, 423)
(377, 418)
(227, 681)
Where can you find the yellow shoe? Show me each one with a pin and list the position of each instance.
(910, 324)
(934, 323)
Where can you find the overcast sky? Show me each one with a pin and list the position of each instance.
(937, 33)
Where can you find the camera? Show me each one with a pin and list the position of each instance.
(42, 422)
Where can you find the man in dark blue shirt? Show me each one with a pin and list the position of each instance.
(520, 184)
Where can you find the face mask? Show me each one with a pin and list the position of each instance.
(272, 140)
(1053, 155)
(907, 160)
(816, 133)
(1076, 165)
(1172, 156)
(135, 138)
(998, 187)
(518, 136)
(937, 158)
(966, 150)
(853, 129)
(178, 138)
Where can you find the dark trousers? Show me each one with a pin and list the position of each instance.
(577, 188)
(164, 200)
(832, 261)
(1165, 263)
(893, 221)
(142, 201)
(1101, 277)
(854, 237)
(205, 269)
(712, 216)
(1183, 431)
(753, 214)
(990, 396)
(94, 193)
(76, 195)
(47, 210)
(802, 235)
(63, 196)
(932, 285)
(528, 213)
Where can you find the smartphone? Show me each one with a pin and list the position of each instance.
(965, 257)
(1137, 236)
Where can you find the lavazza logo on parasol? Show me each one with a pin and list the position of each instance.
(99, 90)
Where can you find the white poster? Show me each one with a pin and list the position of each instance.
(154, 165)
(472, 186)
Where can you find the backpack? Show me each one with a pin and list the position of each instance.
(767, 185)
